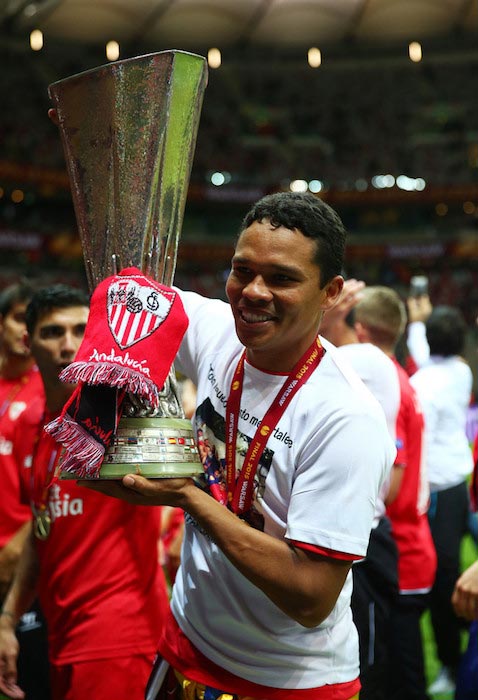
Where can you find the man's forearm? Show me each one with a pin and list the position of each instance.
(9, 556)
(303, 585)
(23, 588)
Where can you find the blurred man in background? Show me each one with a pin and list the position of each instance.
(92, 560)
(443, 383)
(380, 318)
(20, 384)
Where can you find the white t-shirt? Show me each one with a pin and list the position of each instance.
(379, 375)
(444, 388)
(317, 483)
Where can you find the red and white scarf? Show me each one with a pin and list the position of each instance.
(134, 331)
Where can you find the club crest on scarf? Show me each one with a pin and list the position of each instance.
(136, 309)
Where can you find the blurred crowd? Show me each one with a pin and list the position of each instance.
(283, 119)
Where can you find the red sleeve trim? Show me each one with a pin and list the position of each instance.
(332, 553)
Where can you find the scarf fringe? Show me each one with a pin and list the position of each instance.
(112, 375)
(83, 455)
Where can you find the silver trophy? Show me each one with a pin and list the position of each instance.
(128, 131)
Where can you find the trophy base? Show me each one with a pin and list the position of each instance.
(149, 471)
(156, 448)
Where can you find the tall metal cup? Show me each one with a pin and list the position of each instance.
(129, 131)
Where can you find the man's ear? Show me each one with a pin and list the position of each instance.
(333, 290)
(362, 332)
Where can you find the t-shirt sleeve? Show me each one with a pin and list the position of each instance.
(337, 483)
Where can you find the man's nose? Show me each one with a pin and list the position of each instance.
(70, 344)
(257, 289)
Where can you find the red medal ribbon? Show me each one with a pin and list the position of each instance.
(43, 476)
(239, 495)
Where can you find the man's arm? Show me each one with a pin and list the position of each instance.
(419, 309)
(19, 599)
(304, 585)
(396, 476)
(9, 556)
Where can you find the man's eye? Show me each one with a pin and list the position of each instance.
(282, 278)
(47, 333)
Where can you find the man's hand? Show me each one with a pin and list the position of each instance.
(8, 659)
(419, 308)
(333, 318)
(465, 595)
(139, 491)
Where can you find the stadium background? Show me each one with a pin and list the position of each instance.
(392, 144)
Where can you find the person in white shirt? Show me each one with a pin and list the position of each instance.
(375, 578)
(261, 601)
(443, 384)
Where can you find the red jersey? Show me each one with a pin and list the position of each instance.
(100, 585)
(15, 397)
(411, 531)
(474, 477)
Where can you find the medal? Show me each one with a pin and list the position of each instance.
(42, 524)
(46, 456)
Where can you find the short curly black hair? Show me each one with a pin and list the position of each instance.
(312, 217)
(56, 296)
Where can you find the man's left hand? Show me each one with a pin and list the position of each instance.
(137, 490)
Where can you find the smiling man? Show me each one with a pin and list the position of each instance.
(261, 602)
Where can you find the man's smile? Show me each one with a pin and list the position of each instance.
(255, 316)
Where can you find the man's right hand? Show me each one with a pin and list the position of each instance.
(419, 308)
(8, 659)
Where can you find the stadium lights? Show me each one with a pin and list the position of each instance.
(112, 50)
(316, 186)
(299, 186)
(314, 57)
(381, 182)
(214, 58)
(403, 182)
(415, 51)
(441, 209)
(17, 196)
(361, 184)
(36, 40)
(410, 183)
(220, 178)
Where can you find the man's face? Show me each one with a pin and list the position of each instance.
(12, 329)
(275, 293)
(56, 339)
